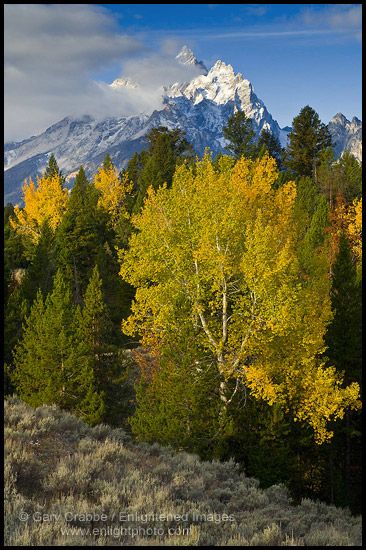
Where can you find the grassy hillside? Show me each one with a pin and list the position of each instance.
(69, 484)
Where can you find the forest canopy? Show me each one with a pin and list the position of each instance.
(236, 281)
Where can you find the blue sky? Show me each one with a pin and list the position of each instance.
(60, 58)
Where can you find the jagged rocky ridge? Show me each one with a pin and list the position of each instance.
(346, 135)
(200, 107)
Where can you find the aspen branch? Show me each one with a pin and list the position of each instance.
(199, 311)
(224, 314)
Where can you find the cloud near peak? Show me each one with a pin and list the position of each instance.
(52, 54)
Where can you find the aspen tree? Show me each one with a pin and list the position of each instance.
(224, 240)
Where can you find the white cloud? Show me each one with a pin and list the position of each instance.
(74, 36)
(52, 52)
(340, 17)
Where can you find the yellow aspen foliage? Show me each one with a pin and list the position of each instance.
(324, 400)
(346, 218)
(47, 200)
(223, 243)
(354, 229)
(113, 191)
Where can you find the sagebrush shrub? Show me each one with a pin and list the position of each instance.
(57, 465)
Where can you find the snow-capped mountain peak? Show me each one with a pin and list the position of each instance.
(123, 82)
(346, 135)
(218, 85)
(187, 57)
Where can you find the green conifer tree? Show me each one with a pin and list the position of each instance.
(307, 140)
(99, 362)
(81, 235)
(311, 247)
(158, 163)
(53, 170)
(348, 176)
(344, 351)
(107, 162)
(307, 199)
(43, 367)
(325, 175)
(240, 136)
(28, 356)
(268, 142)
(172, 410)
(14, 315)
(319, 222)
(40, 273)
(13, 243)
(344, 337)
